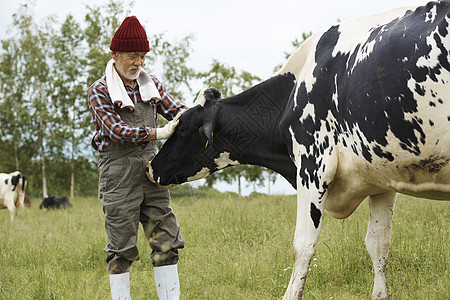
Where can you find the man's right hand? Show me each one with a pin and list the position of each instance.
(167, 131)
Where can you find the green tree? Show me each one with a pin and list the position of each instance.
(227, 79)
(69, 138)
(44, 72)
(13, 117)
(101, 23)
(173, 56)
(27, 74)
(15, 102)
(39, 124)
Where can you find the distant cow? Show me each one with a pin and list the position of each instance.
(360, 110)
(12, 193)
(50, 202)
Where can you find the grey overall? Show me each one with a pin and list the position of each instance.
(128, 197)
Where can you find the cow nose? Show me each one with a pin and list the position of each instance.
(149, 171)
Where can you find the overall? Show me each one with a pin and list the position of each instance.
(129, 198)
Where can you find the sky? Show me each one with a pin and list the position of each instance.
(250, 35)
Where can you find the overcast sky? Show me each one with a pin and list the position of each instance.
(250, 35)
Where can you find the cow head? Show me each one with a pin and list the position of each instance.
(217, 133)
(185, 153)
(48, 202)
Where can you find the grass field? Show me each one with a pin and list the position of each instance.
(235, 249)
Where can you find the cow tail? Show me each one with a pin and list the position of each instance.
(24, 183)
(17, 198)
(20, 191)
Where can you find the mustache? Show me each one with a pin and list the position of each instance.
(134, 68)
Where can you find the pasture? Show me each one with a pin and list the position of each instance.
(235, 249)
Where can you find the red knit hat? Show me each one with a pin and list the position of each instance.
(130, 37)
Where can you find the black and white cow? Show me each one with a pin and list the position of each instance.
(360, 110)
(12, 193)
(51, 202)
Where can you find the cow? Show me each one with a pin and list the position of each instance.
(51, 202)
(12, 193)
(360, 110)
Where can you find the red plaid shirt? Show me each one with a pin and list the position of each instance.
(108, 124)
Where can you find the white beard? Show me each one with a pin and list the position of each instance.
(128, 73)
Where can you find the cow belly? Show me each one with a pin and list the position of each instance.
(429, 190)
(424, 177)
(355, 179)
(346, 192)
(421, 182)
(351, 184)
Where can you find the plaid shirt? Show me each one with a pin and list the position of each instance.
(108, 124)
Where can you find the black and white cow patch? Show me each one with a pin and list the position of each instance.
(367, 90)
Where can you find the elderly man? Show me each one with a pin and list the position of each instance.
(124, 103)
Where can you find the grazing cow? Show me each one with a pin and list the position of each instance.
(360, 110)
(50, 202)
(12, 193)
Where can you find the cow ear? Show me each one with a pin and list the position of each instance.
(216, 93)
(207, 96)
(209, 123)
(207, 130)
(201, 99)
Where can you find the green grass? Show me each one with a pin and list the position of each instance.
(235, 249)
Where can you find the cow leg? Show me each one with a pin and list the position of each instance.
(311, 198)
(20, 210)
(378, 239)
(12, 211)
(11, 216)
(307, 231)
(20, 204)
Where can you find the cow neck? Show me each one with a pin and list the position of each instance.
(248, 129)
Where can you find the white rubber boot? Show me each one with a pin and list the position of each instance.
(120, 286)
(167, 282)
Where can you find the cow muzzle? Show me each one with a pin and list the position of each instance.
(149, 172)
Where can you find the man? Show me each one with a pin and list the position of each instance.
(124, 103)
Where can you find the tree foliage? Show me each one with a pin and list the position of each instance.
(45, 70)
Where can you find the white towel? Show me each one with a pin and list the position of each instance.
(119, 94)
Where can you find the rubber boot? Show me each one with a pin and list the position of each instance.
(120, 286)
(167, 282)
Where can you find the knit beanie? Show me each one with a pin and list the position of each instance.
(130, 37)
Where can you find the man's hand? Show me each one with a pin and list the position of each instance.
(167, 131)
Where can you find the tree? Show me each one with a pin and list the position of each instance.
(12, 116)
(15, 74)
(36, 87)
(101, 23)
(44, 72)
(30, 71)
(71, 118)
(173, 56)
